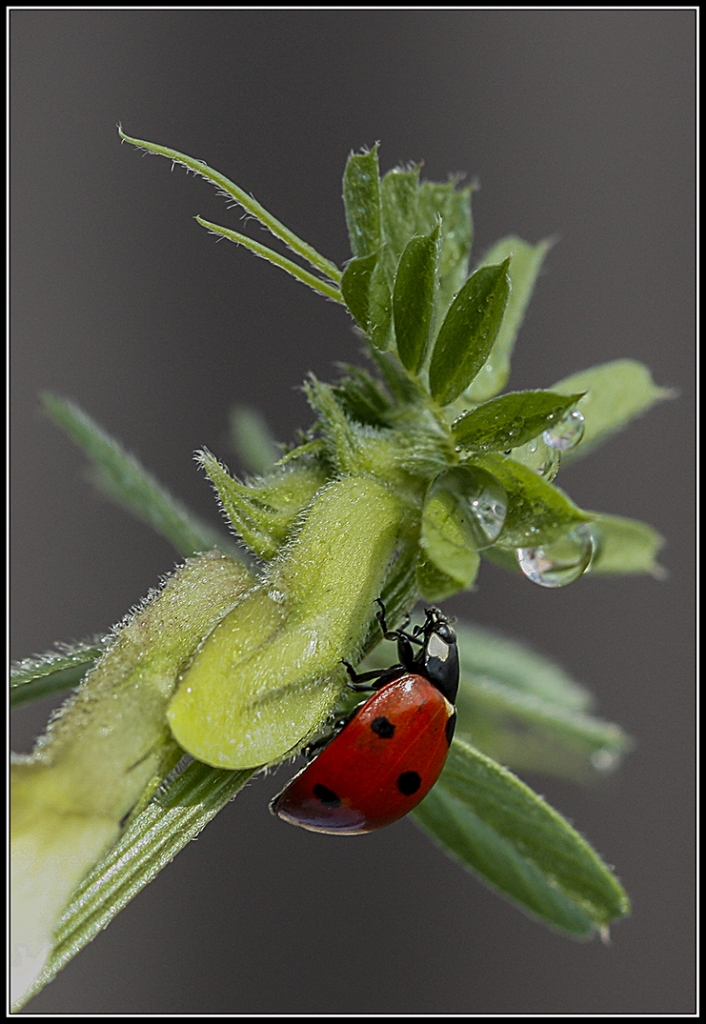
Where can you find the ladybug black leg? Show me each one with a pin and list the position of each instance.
(358, 680)
(395, 634)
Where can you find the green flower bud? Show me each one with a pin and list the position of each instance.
(269, 674)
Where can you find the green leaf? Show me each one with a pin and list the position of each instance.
(524, 267)
(361, 196)
(355, 287)
(496, 826)
(615, 393)
(453, 207)
(529, 734)
(399, 189)
(149, 843)
(122, 478)
(413, 299)
(537, 512)
(468, 332)
(625, 546)
(53, 672)
(251, 439)
(510, 420)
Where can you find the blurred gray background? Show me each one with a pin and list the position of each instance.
(576, 123)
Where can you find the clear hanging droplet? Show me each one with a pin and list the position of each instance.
(605, 759)
(539, 456)
(567, 433)
(561, 561)
(488, 508)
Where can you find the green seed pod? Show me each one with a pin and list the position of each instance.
(270, 672)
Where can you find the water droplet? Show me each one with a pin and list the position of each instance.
(488, 507)
(605, 759)
(567, 433)
(561, 561)
(539, 456)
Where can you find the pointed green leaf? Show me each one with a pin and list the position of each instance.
(537, 512)
(413, 299)
(496, 826)
(525, 265)
(399, 189)
(510, 420)
(361, 196)
(355, 287)
(468, 332)
(453, 207)
(122, 478)
(625, 546)
(615, 393)
(53, 672)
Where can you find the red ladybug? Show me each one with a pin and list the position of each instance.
(390, 751)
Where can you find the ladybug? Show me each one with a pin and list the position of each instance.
(387, 755)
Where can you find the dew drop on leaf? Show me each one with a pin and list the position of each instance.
(561, 561)
(567, 433)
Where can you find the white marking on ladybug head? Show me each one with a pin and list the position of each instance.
(437, 648)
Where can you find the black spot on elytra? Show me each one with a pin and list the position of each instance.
(450, 727)
(408, 783)
(383, 727)
(326, 795)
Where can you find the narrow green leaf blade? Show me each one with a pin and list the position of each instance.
(615, 393)
(149, 843)
(537, 512)
(625, 547)
(58, 670)
(468, 332)
(510, 420)
(413, 299)
(496, 826)
(122, 478)
(525, 265)
(361, 196)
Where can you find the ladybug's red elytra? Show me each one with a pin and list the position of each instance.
(390, 751)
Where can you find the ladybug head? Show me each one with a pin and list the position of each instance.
(439, 654)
